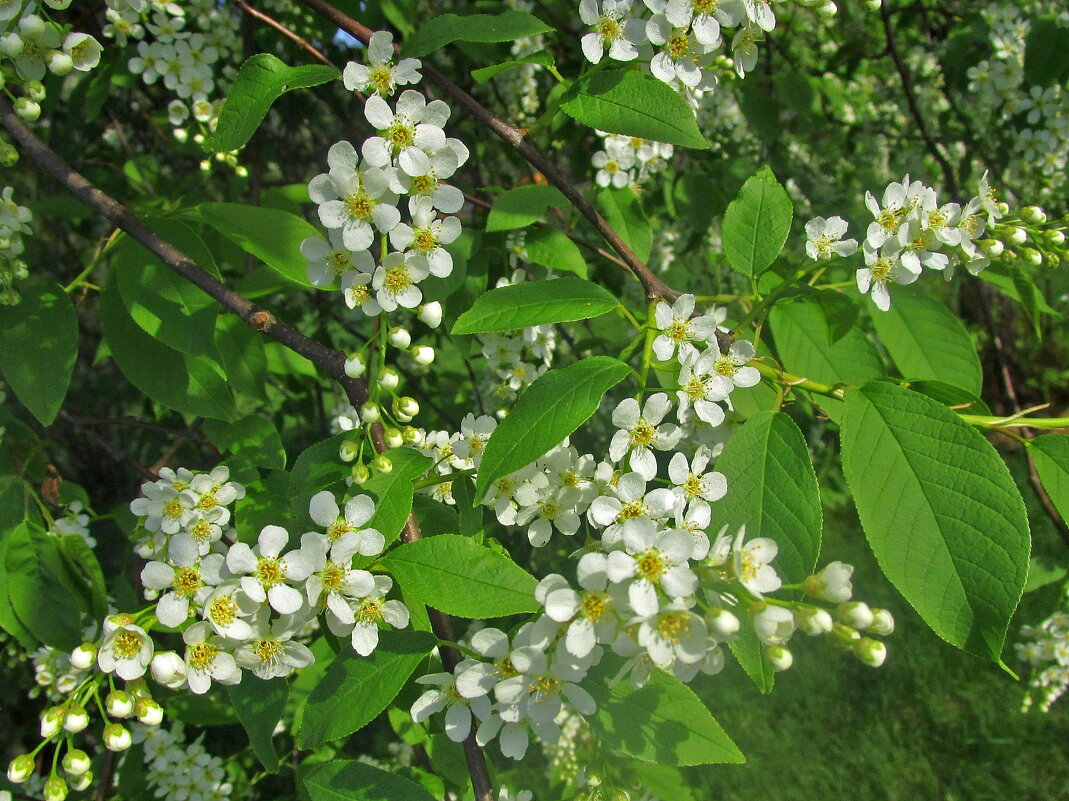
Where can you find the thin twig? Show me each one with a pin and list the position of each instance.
(278, 26)
(911, 101)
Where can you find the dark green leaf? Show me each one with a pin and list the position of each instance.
(551, 248)
(633, 103)
(39, 589)
(623, 210)
(1045, 62)
(1051, 454)
(259, 705)
(542, 57)
(85, 574)
(445, 29)
(342, 780)
(549, 410)
(393, 491)
(38, 347)
(756, 224)
(261, 80)
(519, 207)
(531, 303)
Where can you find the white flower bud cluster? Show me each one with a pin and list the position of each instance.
(168, 759)
(629, 160)
(410, 155)
(14, 222)
(1046, 648)
(38, 46)
(911, 231)
(678, 40)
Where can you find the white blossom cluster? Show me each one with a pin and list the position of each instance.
(38, 46)
(73, 520)
(14, 222)
(629, 160)
(999, 89)
(677, 39)
(358, 197)
(176, 768)
(1046, 648)
(518, 86)
(651, 586)
(911, 231)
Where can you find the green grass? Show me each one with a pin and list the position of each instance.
(933, 724)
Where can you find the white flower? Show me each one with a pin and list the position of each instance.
(226, 609)
(751, 563)
(357, 201)
(126, 651)
(681, 56)
(774, 625)
(883, 267)
(264, 571)
(744, 49)
(474, 434)
(372, 611)
(554, 508)
(732, 365)
(330, 261)
(323, 509)
(629, 506)
(613, 169)
(409, 135)
(761, 13)
(691, 481)
(396, 278)
(674, 633)
(272, 652)
(447, 199)
(641, 431)
(701, 386)
(189, 579)
(83, 49)
(591, 614)
(426, 236)
(658, 559)
(825, 238)
(610, 27)
(919, 247)
(679, 329)
(899, 200)
(459, 710)
(381, 75)
(705, 17)
(335, 578)
(206, 659)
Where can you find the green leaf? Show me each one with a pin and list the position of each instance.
(460, 577)
(1042, 572)
(448, 28)
(188, 384)
(926, 341)
(253, 436)
(756, 224)
(259, 706)
(261, 80)
(272, 235)
(940, 510)
(633, 103)
(551, 248)
(549, 410)
(85, 573)
(1051, 455)
(243, 356)
(11, 493)
(470, 516)
(38, 347)
(355, 689)
(317, 468)
(166, 306)
(341, 780)
(39, 589)
(962, 401)
(799, 328)
(393, 491)
(664, 722)
(543, 57)
(774, 493)
(519, 207)
(1045, 62)
(623, 210)
(510, 308)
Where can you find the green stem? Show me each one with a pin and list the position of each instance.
(626, 312)
(94, 262)
(647, 350)
(767, 301)
(431, 482)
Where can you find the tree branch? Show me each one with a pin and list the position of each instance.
(514, 137)
(278, 26)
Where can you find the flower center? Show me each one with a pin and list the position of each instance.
(609, 28)
(594, 606)
(359, 205)
(672, 626)
(361, 294)
(706, 6)
(338, 261)
(187, 581)
(505, 668)
(423, 184)
(425, 240)
(726, 367)
(400, 135)
(642, 434)
(695, 389)
(336, 529)
(631, 510)
(270, 572)
(173, 508)
(223, 610)
(270, 652)
(202, 655)
(543, 687)
(333, 576)
(371, 609)
(201, 530)
(881, 271)
(127, 645)
(397, 279)
(678, 331)
(380, 77)
(651, 565)
(679, 45)
(693, 486)
(207, 501)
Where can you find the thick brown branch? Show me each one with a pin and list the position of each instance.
(653, 286)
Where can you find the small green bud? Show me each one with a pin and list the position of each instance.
(382, 464)
(360, 473)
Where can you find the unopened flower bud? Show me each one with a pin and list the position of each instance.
(44, 677)
(722, 623)
(873, 5)
(992, 247)
(59, 63)
(11, 45)
(814, 621)
(82, 782)
(181, 135)
(370, 413)
(883, 624)
(406, 407)
(348, 450)
(593, 779)
(832, 583)
(779, 657)
(1032, 256)
(149, 712)
(52, 721)
(774, 625)
(31, 26)
(56, 789)
(870, 652)
(119, 704)
(423, 354)
(828, 9)
(1034, 215)
(389, 379)
(843, 636)
(68, 682)
(393, 437)
(35, 90)
(1054, 237)
(168, 669)
(1017, 236)
(431, 314)
(84, 656)
(619, 795)
(27, 109)
(9, 155)
(854, 614)
(76, 762)
(117, 737)
(400, 338)
(411, 435)
(382, 464)
(360, 473)
(355, 365)
(1003, 207)
(20, 769)
(76, 719)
